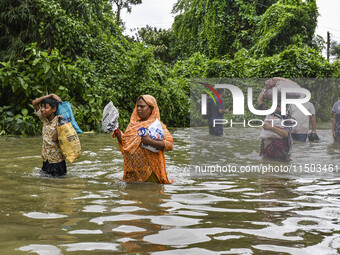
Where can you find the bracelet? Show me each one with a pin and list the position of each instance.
(114, 135)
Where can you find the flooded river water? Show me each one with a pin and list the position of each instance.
(91, 211)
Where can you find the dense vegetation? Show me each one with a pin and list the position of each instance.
(75, 49)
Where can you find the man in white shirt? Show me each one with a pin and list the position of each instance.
(300, 131)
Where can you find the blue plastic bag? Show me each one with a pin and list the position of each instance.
(64, 109)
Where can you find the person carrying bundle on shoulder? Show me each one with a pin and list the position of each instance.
(277, 140)
(53, 159)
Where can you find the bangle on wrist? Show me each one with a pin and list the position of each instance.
(114, 135)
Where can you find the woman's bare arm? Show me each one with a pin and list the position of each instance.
(280, 131)
(119, 136)
(147, 140)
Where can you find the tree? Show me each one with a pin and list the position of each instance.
(221, 28)
(75, 49)
(181, 6)
(335, 49)
(216, 28)
(288, 22)
(159, 39)
(18, 26)
(68, 25)
(124, 4)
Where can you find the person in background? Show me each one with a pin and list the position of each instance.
(276, 148)
(53, 160)
(140, 164)
(300, 131)
(217, 112)
(336, 121)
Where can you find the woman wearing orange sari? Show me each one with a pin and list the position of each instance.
(141, 164)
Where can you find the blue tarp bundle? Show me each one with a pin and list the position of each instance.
(64, 109)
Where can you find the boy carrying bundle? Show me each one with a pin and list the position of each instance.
(53, 160)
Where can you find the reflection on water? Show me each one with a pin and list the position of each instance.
(91, 211)
(239, 149)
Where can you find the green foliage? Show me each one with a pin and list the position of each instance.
(294, 62)
(191, 68)
(335, 49)
(285, 23)
(160, 39)
(123, 4)
(74, 48)
(18, 26)
(25, 79)
(20, 123)
(264, 28)
(73, 27)
(324, 92)
(216, 28)
(81, 56)
(89, 87)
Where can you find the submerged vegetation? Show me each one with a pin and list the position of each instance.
(76, 49)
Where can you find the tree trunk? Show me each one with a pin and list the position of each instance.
(119, 8)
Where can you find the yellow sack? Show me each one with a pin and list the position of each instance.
(69, 142)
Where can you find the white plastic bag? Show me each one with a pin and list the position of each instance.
(155, 131)
(110, 118)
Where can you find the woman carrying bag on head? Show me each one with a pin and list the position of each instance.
(277, 148)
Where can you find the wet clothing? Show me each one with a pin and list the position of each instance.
(153, 178)
(337, 138)
(54, 169)
(218, 129)
(53, 160)
(336, 110)
(299, 137)
(277, 148)
(302, 126)
(51, 151)
(141, 164)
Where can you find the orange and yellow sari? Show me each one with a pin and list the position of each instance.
(141, 164)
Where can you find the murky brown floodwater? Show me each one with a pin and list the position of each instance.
(91, 211)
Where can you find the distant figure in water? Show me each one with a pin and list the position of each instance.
(217, 112)
(336, 120)
(53, 160)
(140, 164)
(300, 131)
(276, 148)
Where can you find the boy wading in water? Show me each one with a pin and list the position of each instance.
(53, 160)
